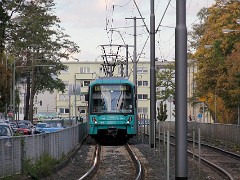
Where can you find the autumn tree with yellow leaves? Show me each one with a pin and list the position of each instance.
(218, 59)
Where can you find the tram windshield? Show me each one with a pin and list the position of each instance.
(112, 99)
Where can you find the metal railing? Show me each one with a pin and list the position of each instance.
(224, 132)
(14, 150)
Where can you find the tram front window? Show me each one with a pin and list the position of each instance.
(112, 99)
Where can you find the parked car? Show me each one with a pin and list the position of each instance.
(23, 129)
(26, 122)
(6, 130)
(39, 127)
(14, 126)
(48, 127)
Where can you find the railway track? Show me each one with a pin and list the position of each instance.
(114, 162)
(117, 162)
(226, 163)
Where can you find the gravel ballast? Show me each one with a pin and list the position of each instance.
(155, 163)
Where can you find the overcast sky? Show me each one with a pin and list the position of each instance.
(89, 22)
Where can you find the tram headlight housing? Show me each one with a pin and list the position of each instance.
(129, 120)
(94, 120)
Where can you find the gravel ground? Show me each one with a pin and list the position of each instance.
(155, 164)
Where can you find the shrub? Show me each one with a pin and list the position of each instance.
(41, 168)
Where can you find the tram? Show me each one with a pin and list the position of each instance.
(112, 108)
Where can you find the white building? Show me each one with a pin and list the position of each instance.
(82, 73)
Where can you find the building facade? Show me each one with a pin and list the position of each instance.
(80, 74)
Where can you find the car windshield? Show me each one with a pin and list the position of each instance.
(5, 131)
(24, 126)
(112, 99)
(41, 125)
(55, 125)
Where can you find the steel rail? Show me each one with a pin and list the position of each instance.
(137, 162)
(95, 162)
(210, 164)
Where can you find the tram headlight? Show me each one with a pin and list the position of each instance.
(129, 120)
(94, 120)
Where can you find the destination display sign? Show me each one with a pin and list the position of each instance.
(111, 88)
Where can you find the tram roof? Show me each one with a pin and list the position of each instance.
(111, 80)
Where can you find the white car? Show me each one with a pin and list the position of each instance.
(6, 130)
(48, 127)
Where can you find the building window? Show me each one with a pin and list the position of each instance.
(20, 110)
(63, 97)
(64, 110)
(83, 111)
(142, 70)
(61, 110)
(142, 96)
(142, 83)
(101, 70)
(142, 110)
(85, 83)
(84, 70)
(35, 111)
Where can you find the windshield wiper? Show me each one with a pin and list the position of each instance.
(122, 112)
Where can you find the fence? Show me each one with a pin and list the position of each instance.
(225, 132)
(14, 150)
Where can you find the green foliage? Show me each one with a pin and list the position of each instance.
(41, 168)
(38, 42)
(165, 80)
(162, 112)
(31, 34)
(4, 86)
(218, 64)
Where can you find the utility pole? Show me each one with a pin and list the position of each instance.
(135, 64)
(126, 60)
(152, 78)
(14, 88)
(75, 97)
(135, 55)
(181, 91)
(135, 52)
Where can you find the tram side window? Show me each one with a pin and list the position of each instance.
(97, 102)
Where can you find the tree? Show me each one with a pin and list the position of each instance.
(4, 87)
(39, 44)
(162, 112)
(213, 67)
(7, 9)
(165, 82)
